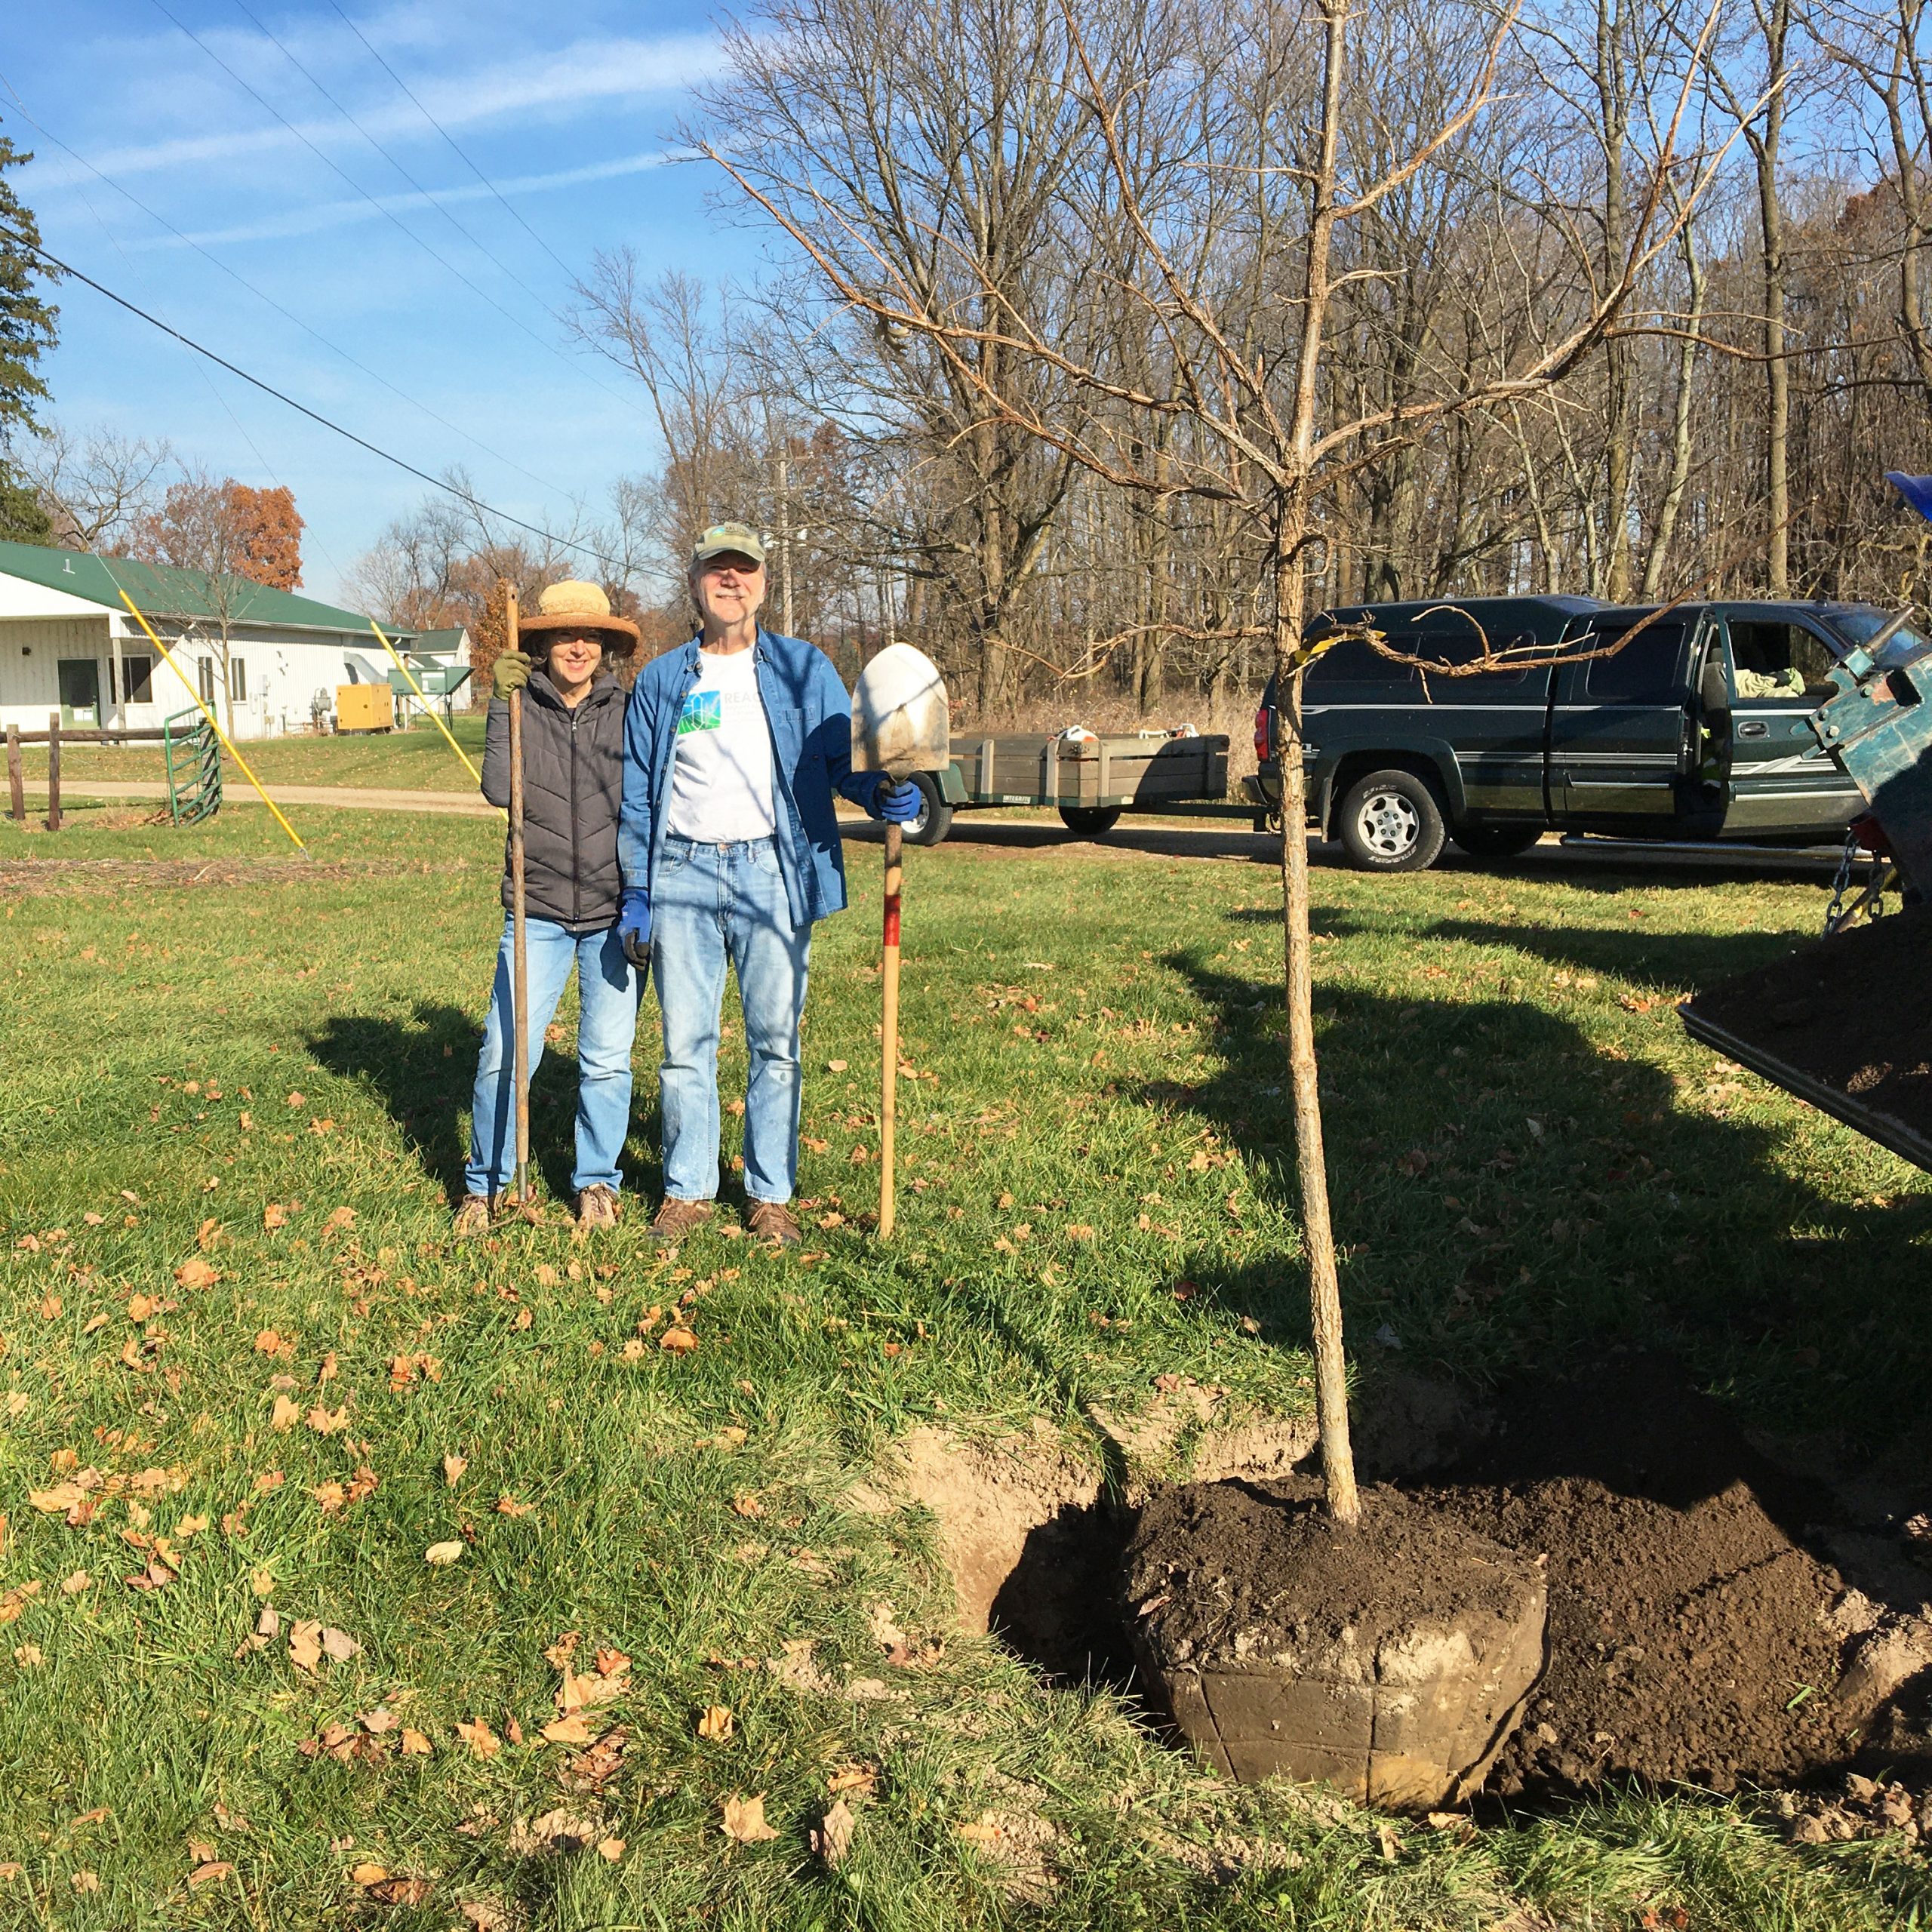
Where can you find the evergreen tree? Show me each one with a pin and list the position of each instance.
(27, 331)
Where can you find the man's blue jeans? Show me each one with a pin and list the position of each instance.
(709, 904)
(607, 1023)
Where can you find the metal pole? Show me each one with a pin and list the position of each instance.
(54, 771)
(16, 778)
(519, 955)
(888, 1109)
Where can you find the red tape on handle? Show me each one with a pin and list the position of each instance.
(892, 919)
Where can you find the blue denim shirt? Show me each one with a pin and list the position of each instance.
(810, 718)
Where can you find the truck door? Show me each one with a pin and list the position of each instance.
(1623, 743)
(1782, 784)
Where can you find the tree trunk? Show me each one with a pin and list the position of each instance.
(1680, 440)
(1777, 373)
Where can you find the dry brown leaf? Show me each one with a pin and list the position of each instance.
(852, 1777)
(400, 1891)
(140, 1307)
(508, 1506)
(569, 1729)
(329, 1422)
(440, 1553)
(677, 1339)
(195, 1273)
(481, 1739)
(367, 1873)
(564, 1648)
(274, 1215)
(744, 1504)
(714, 1722)
(284, 1415)
(413, 1744)
(210, 1870)
(58, 1500)
(744, 1820)
(831, 1837)
(72, 1586)
(612, 1849)
(305, 1640)
(207, 1233)
(339, 1220)
(452, 1468)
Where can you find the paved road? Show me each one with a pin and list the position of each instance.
(1223, 840)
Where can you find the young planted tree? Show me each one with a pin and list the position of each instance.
(1218, 169)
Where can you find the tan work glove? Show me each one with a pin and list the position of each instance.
(510, 672)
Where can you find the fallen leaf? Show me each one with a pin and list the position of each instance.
(327, 1422)
(853, 1777)
(835, 1066)
(678, 1340)
(481, 1739)
(304, 1642)
(208, 1872)
(274, 1215)
(443, 1552)
(400, 1891)
(831, 1837)
(140, 1307)
(508, 1506)
(339, 1218)
(376, 1721)
(284, 1415)
(612, 1849)
(368, 1874)
(296, 1100)
(86, 1882)
(72, 1586)
(207, 1233)
(58, 1500)
(452, 1468)
(714, 1722)
(339, 1645)
(745, 1505)
(571, 1730)
(415, 1744)
(744, 1820)
(29, 1656)
(195, 1273)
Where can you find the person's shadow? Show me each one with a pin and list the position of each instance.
(423, 1070)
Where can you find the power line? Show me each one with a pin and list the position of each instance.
(262, 296)
(389, 214)
(302, 408)
(449, 141)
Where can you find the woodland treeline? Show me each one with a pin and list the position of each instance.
(1624, 297)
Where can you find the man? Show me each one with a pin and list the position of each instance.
(734, 746)
(573, 768)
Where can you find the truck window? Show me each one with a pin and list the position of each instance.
(1644, 671)
(1354, 663)
(1464, 647)
(1773, 657)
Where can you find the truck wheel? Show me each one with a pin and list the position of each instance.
(1496, 841)
(935, 818)
(1089, 821)
(1392, 822)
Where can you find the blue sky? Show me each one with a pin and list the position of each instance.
(569, 110)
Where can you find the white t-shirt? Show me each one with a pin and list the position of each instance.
(720, 777)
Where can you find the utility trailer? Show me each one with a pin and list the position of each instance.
(1091, 782)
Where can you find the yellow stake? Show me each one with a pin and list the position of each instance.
(227, 744)
(421, 692)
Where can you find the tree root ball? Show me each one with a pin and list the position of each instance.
(1392, 1659)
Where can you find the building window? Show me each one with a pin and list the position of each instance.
(205, 669)
(237, 680)
(137, 675)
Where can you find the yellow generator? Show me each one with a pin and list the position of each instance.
(365, 708)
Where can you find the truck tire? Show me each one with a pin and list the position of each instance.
(1496, 841)
(1391, 822)
(935, 818)
(1089, 821)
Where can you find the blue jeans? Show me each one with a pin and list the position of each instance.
(607, 1022)
(711, 904)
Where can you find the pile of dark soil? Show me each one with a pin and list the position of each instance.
(1214, 1556)
(1854, 1012)
(1690, 1636)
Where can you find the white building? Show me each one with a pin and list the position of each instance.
(69, 644)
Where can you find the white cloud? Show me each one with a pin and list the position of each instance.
(340, 215)
(590, 70)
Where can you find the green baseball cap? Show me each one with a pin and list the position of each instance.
(722, 538)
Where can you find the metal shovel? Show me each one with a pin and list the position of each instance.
(900, 726)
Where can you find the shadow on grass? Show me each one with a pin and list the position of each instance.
(423, 1069)
(1512, 1202)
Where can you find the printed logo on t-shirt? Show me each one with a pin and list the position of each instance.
(704, 710)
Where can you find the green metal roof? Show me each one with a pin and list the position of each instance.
(160, 591)
(440, 642)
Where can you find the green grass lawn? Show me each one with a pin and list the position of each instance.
(417, 760)
(231, 1109)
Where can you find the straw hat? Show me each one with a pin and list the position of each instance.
(572, 606)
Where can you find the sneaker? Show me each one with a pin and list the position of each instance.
(678, 1218)
(473, 1217)
(597, 1208)
(773, 1221)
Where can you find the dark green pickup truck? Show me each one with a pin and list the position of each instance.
(1698, 728)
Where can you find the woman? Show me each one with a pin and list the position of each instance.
(573, 787)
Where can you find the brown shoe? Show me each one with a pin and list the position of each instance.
(597, 1208)
(773, 1221)
(676, 1219)
(473, 1218)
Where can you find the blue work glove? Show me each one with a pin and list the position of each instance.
(897, 804)
(634, 927)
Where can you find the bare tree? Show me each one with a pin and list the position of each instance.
(96, 490)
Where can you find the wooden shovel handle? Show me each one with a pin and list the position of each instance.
(888, 1109)
(519, 947)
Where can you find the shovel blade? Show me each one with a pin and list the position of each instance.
(899, 721)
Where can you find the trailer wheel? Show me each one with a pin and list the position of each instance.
(1392, 821)
(935, 818)
(1089, 821)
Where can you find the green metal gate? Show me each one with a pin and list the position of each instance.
(194, 767)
